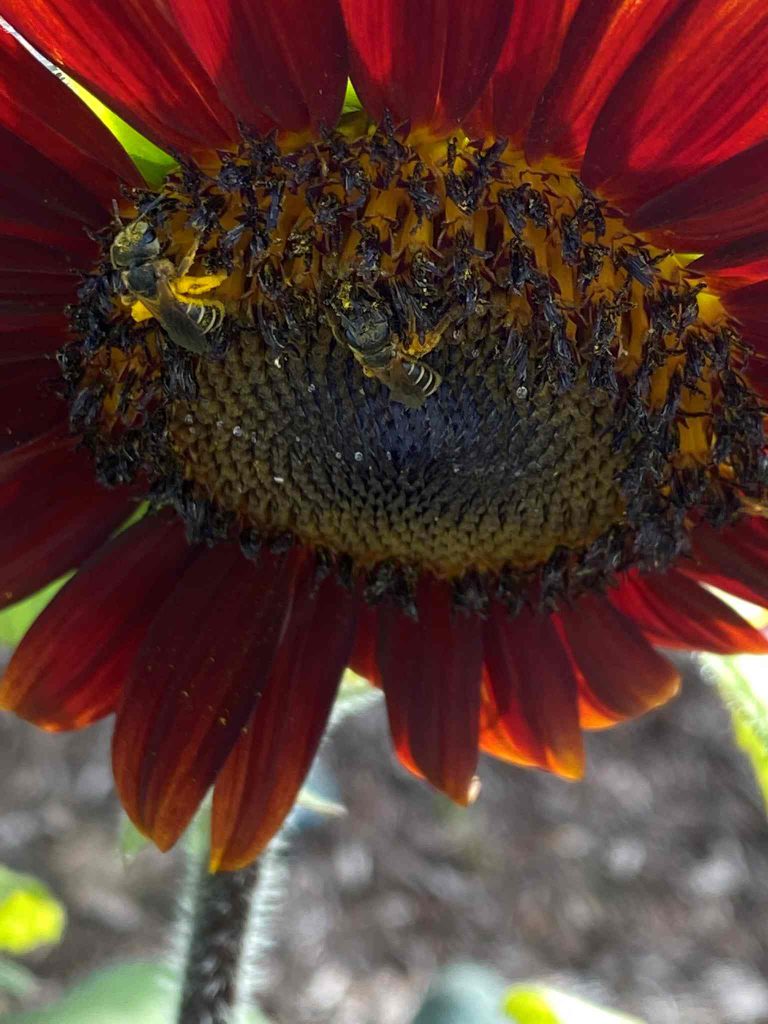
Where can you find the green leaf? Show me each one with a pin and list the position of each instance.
(123, 994)
(138, 993)
(351, 99)
(318, 804)
(464, 993)
(29, 915)
(743, 684)
(16, 980)
(153, 163)
(131, 842)
(17, 618)
(537, 1004)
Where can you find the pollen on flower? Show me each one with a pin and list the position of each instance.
(412, 355)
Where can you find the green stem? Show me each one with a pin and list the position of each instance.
(219, 944)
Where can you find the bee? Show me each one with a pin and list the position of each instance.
(366, 330)
(136, 253)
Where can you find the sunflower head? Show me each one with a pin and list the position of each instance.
(461, 384)
(412, 354)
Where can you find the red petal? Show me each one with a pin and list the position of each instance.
(734, 559)
(623, 675)
(694, 97)
(22, 292)
(29, 406)
(133, 57)
(529, 54)
(749, 304)
(532, 684)
(53, 515)
(70, 668)
(195, 682)
(39, 200)
(259, 782)
(362, 658)
(30, 335)
(283, 64)
(715, 207)
(674, 611)
(603, 38)
(41, 110)
(425, 61)
(431, 677)
(744, 261)
(497, 740)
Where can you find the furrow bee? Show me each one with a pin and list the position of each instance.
(136, 253)
(363, 324)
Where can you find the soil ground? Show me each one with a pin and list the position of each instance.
(643, 888)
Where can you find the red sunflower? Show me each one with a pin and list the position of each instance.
(462, 388)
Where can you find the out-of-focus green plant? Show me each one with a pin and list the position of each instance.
(743, 685)
(30, 916)
(537, 1004)
(16, 620)
(138, 993)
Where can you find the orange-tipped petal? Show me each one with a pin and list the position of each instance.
(262, 776)
(622, 676)
(534, 689)
(195, 682)
(70, 668)
(675, 611)
(430, 672)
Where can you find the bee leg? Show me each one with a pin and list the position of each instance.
(186, 264)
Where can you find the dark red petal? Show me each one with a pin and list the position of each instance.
(749, 304)
(622, 674)
(70, 668)
(529, 54)
(195, 682)
(362, 658)
(131, 55)
(430, 671)
(693, 97)
(273, 64)
(29, 406)
(715, 207)
(53, 515)
(497, 740)
(674, 611)
(425, 61)
(532, 684)
(744, 261)
(37, 107)
(262, 776)
(602, 40)
(30, 336)
(38, 200)
(22, 292)
(734, 559)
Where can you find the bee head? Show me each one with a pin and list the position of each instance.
(136, 243)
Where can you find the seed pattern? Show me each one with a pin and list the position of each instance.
(427, 358)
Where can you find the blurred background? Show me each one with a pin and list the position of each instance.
(642, 889)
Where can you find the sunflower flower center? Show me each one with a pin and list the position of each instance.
(412, 355)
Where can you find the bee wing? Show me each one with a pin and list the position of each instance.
(410, 391)
(172, 317)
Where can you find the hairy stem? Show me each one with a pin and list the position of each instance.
(219, 943)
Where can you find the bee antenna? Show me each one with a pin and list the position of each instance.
(116, 214)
